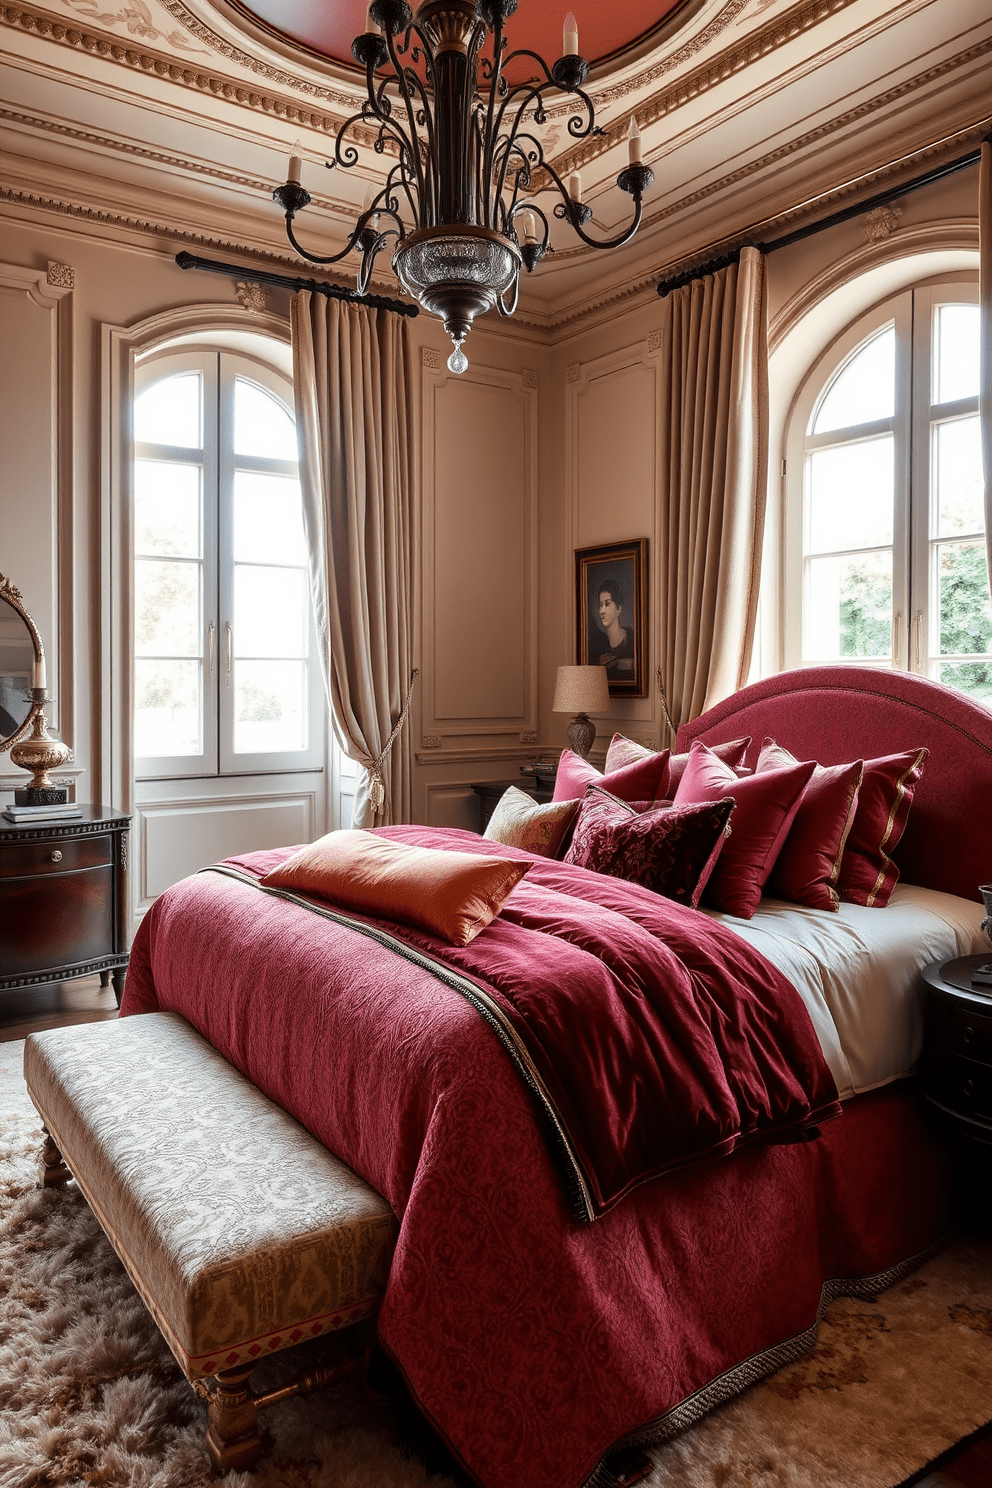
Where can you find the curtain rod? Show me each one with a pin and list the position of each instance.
(880, 199)
(284, 281)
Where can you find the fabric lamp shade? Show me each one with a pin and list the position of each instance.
(581, 690)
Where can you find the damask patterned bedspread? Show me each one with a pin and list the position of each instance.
(534, 1340)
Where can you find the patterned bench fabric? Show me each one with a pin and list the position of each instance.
(241, 1233)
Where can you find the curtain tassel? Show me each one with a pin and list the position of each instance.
(377, 790)
(664, 703)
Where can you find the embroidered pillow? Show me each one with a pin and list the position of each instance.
(867, 872)
(671, 850)
(453, 895)
(808, 865)
(626, 752)
(598, 811)
(639, 781)
(766, 807)
(520, 821)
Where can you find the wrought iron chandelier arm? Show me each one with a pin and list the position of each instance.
(414, 137)
(429, 195)
(634, 180)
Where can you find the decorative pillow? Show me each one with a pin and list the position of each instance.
(671, 850)
(766, 806)
(808, 865)
(519, 821)
(639, 781)
(867, 872)
(451, 894)
(626, 752)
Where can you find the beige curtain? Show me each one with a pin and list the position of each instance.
(985, 281)
(714, 463)
(351, 369)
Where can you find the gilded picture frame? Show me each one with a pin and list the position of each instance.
(611, 607)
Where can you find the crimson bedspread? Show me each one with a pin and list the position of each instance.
(535, 1341)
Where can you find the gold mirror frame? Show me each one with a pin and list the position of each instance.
(10, 592)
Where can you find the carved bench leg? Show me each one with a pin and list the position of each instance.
(54, 1172)
(233, 1441)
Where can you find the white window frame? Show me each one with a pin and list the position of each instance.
(914, 599)
(220, 369)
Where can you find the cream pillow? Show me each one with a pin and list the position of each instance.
(519, 821)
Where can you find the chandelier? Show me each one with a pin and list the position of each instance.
(460, 202)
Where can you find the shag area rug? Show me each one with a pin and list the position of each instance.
(90, 1396)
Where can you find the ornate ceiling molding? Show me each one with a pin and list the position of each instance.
(169, 70)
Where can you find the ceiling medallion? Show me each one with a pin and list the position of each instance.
(452, 203)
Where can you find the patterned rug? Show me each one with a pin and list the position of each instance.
(90, 1395)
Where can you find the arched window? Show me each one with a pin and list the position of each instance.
(224, 679)
(885, 544)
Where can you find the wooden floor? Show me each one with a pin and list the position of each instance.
(54, 1006)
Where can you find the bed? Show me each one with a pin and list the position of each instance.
(536, 1338)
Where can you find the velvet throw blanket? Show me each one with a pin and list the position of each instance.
(532, 1340)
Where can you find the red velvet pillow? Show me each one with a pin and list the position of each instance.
(867, 872)
(766, 807)
(808, 865)
(639, 781)
(670, 850)
(626, 751)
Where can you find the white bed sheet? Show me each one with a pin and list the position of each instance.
(858, 972)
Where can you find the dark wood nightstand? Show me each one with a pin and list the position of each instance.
(489, 792)
(63, 900)
(956, 1078)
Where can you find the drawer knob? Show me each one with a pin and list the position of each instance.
(56, 856)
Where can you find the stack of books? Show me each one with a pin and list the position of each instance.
(24, 816)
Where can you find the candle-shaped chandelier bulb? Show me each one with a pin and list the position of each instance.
(295, 162)
(633, 143)
(570, 37)
(575, 186)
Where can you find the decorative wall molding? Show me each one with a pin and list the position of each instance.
(431, 359)
(655, 341)
(252, 296)
(528, 378)
(487, 755)
(880, 223)
(60, 276)
(431, 741)
(573, 372)
(528, 736)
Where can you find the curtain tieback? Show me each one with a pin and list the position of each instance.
(664, 703)
(377, 791)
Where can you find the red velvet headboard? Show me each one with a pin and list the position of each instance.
(834, 714)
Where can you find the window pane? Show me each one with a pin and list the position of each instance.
(169, 412)
(972, 677)
(167, 508)
(261, 424)
(271, 611)
(963, 599)
(864, 389)
(268, 519)
(851, 496)
(957, 477)
(956, 353)
(270, 711)
(167, 708)
(848, 607)
(166, 609)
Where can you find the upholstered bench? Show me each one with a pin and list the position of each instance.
(241, 1233)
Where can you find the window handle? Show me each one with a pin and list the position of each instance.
(230, 650)
(918, 639)
(211, 642)
(896, 624)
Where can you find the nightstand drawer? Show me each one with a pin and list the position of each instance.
(970, 1034)
(25, 859)
(965, 1087)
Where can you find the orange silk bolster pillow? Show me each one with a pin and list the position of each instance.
(451, 894)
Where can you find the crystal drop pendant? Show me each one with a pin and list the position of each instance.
(458, 361)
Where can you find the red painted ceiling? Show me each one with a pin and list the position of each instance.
(329, 26)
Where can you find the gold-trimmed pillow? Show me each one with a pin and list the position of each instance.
(520, 821)
(453, 895)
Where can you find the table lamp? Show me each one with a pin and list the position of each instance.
(581, 690)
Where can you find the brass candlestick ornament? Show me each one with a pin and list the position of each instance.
(38, 754)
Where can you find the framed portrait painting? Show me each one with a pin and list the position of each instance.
(611, 602)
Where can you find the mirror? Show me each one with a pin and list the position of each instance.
(20, 649)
